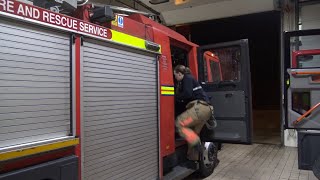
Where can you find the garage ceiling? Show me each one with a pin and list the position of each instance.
(201, 10)
(190, 11)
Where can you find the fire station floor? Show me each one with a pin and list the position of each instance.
(267, 136)
(258, 161)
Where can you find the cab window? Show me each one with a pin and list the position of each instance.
(222, 64)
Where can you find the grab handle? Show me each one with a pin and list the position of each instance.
(305, 114)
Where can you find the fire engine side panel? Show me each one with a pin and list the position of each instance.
(34, 83)
(167, 125)
(193, 61)
(120, 121)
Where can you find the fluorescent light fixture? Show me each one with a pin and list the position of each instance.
(179, 2)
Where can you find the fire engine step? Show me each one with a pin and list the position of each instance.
(180, 172)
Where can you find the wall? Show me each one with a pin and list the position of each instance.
(289, 23)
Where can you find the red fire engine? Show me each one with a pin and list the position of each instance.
(91, 95)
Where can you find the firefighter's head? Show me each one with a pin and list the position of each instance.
(180, 71)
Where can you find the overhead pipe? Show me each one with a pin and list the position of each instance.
(155, 2)
(122, 9)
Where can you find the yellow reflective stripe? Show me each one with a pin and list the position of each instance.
(37, 149)
(167, 92)
(167, 88)
(129, 40)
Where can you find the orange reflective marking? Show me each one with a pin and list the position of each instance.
(190, 136)
(186, 122)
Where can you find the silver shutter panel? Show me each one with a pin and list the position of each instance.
(310, 19)
(34, 84)
(120, 113)
(310, 16)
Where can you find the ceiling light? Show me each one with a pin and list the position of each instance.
(179, 2)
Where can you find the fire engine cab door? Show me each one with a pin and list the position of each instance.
(301, 72)
(225, 76)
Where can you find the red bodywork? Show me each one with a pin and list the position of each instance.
(78, 98)
(37, 159)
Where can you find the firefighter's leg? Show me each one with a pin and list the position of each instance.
(198, 127)
(203, 114)
(185, 124)
(193, 140)
(193, 152)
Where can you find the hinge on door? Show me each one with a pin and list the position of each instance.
(81, 40)
(73, 38)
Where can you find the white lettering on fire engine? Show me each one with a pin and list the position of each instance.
(3, 5)
(96, 30)
(7, 5)
(28, 11)
(42, 15)
(58, 20)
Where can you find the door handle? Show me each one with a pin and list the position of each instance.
(305, 114)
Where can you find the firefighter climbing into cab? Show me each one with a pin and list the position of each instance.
(197, 110)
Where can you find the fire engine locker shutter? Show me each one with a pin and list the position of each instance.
(120, 112)
(34, 83)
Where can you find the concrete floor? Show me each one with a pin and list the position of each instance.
(259, 161)
(267, 136)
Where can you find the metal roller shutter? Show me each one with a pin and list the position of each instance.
(120, 113)
(310, 19)
(34, 84)
(310, 16)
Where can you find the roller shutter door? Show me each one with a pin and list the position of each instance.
(120, 113)
(34, 83)
(310, 19)
(310, 16)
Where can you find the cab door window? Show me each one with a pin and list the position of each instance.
(222, 64)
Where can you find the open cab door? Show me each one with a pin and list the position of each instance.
(224, 73)
(301, 94)
(302, 80)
